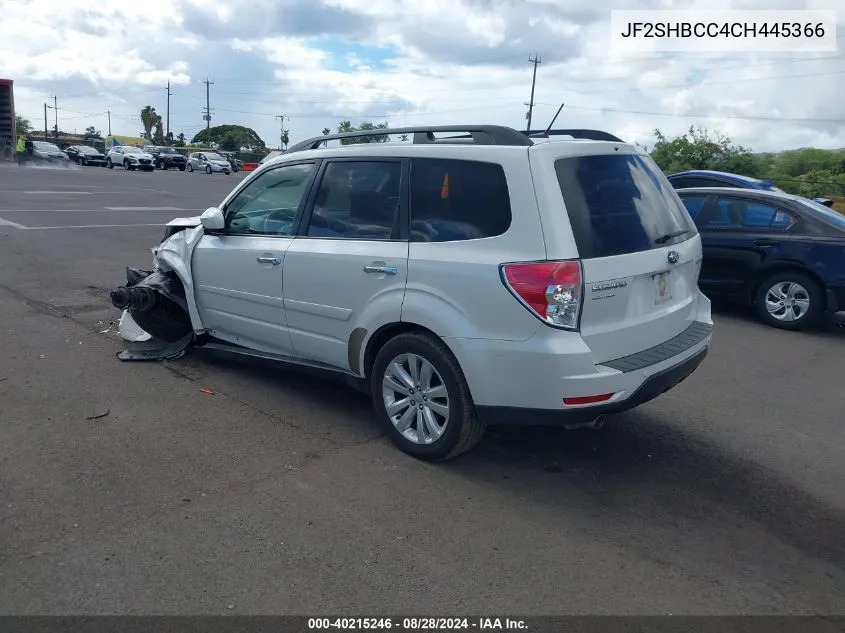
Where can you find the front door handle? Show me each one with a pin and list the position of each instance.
(766, 241)
(269, 260)
(385, 270)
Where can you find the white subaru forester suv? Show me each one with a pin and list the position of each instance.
(485, 278)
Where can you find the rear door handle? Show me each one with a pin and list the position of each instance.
(766, 241)
(386, 270)
(269, 260)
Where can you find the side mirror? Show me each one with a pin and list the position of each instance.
(212, 219)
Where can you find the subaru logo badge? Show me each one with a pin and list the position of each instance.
(673, 257)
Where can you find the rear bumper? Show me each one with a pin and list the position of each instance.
(525, 382)
(654, 386)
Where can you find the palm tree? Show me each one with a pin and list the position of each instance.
(326, 131)
(285, 139)
(150, 119)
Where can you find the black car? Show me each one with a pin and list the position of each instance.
(85, 155)
(166, 157)
(782, 254)
(236, 163)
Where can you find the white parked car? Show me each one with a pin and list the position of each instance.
(129, 158)
(507, 279)
(209, 162)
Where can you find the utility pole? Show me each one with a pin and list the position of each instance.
(535, 60)
(45, 120)
(56, 111)
(109, 113)
(167, 133)
(207, 116)
(281, 118)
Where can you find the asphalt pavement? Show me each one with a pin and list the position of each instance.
(212, 485)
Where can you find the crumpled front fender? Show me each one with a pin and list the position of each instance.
(174, 254)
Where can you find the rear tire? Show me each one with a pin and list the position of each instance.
(109, 164)
(182, 169)
(208, 169)
(458, 433)
(790, 300)
(190, 167)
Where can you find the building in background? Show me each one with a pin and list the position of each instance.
(7, 120)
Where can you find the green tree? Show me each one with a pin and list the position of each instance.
(150, 119)
(180, 140)
(24, 126)
(92, 133)
(346, 126)
(234, 136)
(285, 139)
(159, 138)
(326, 131)
(701, 149)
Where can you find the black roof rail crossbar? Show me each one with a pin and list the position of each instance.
(480, 134)
(592, 135)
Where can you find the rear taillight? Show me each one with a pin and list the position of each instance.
(552, 290)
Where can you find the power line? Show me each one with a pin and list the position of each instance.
(700, 116)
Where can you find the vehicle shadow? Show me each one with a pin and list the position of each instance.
(831, 325)
(640, 466)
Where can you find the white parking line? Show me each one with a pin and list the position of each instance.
(59, 193)
(4, 222)
(149, 209)
(85, 226)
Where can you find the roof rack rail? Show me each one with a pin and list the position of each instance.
(592, 135)
(480, 135)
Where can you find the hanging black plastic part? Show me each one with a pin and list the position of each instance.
(156, 301)
(168, 351)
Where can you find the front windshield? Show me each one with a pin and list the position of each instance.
(133, 150)
(88, 150)
(45, 147)
(825, 212)
(214, 157)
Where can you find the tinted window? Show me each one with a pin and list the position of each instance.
(693, 204)
(268, 205)
(745, 214)
(458, 200)
(619, 203)
(357, 200)
(825, 213)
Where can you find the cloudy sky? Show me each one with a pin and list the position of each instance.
(407, 62)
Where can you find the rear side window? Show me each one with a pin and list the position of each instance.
(618, 204)
(458, 200)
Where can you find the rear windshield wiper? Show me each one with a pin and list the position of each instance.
(665, 238)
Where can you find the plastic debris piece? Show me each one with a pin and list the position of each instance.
(130, 330)
(207, 392)
(99, 415)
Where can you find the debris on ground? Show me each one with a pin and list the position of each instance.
(207, 392)
(98, 416)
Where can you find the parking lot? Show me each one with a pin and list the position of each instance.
(212, 485)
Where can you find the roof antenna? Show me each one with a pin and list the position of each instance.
(549, 129)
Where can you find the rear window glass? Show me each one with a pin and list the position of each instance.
(825, 213)
(458, 200)
(620, 203)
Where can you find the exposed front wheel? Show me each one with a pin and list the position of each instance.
(190, 167)
(790, 300)
(421, 396)
(109, 164)
(208, 169)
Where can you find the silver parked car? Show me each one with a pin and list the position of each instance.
(512, 279)
(209, 162)
(129, 158)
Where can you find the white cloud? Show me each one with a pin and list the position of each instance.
(265, 58)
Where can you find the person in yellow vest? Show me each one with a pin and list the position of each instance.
(21, 149)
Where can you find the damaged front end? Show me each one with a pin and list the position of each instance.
(157, 304)
(156, 301)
